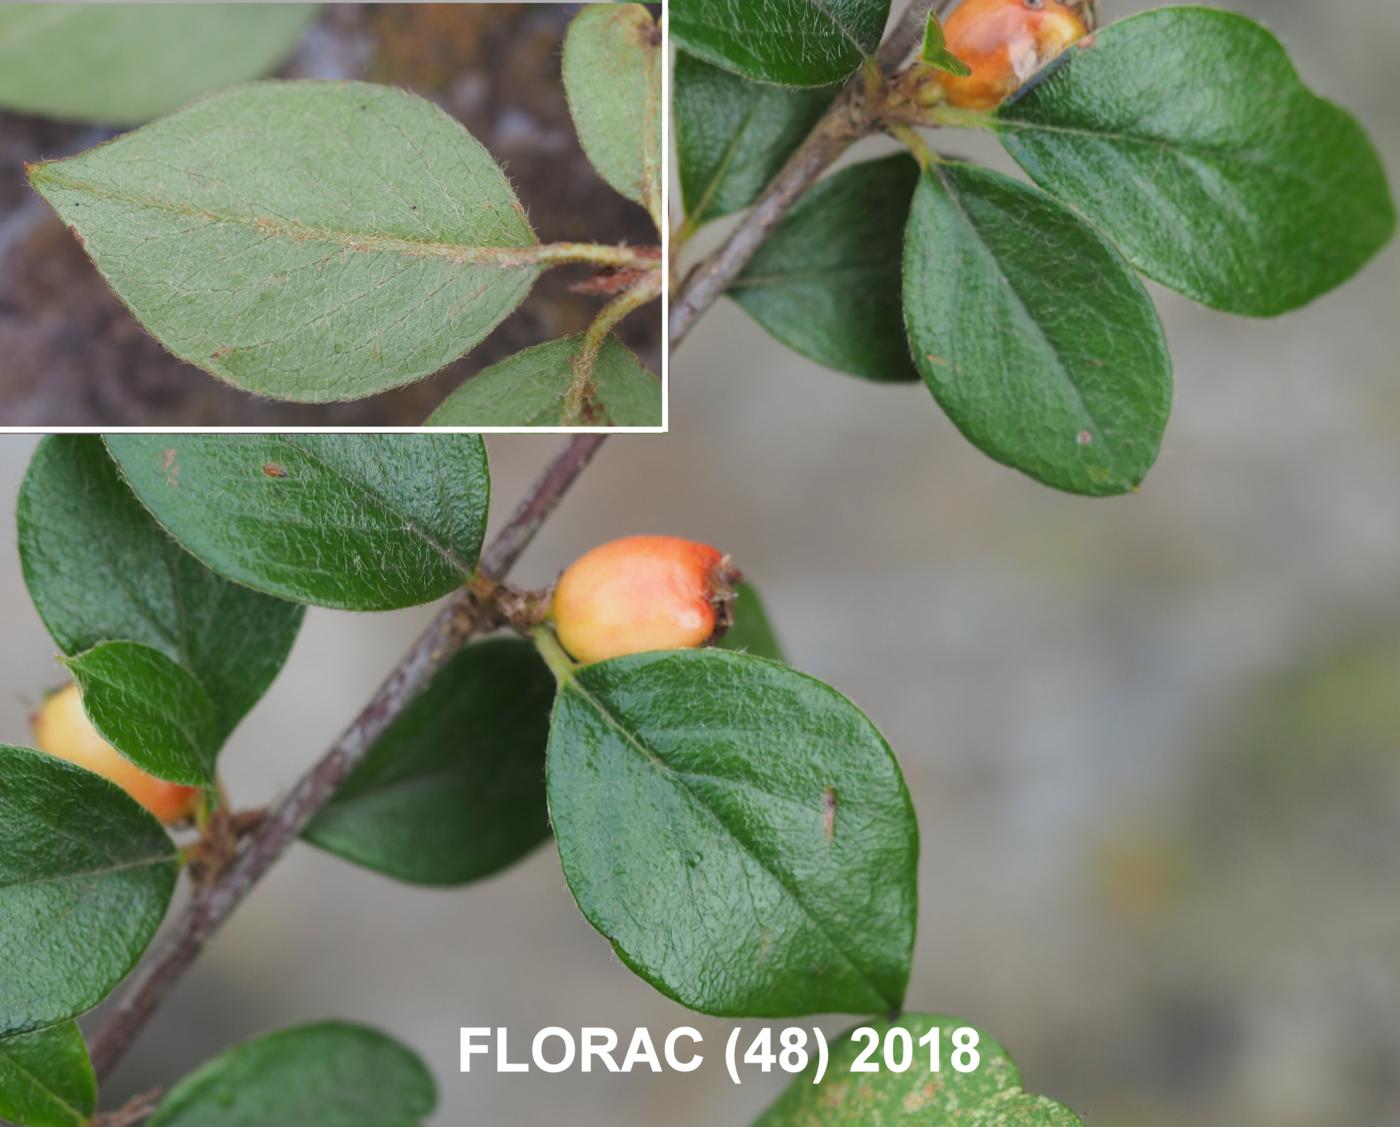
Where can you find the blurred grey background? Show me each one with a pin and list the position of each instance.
(1154, 743)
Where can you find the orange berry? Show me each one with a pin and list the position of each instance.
(62, 729)
(1005, 42)
(643, 593)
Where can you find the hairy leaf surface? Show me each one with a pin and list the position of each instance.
(121, 64)
(612, 76)
(1034, 335)
(1187, 134)
(528, 389)
(99, 569)
(789, 42)
(85, 878)
(303, 240)
(150, 709)
(741, 833)
(734, 135)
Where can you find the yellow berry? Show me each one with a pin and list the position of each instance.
(1005, 42)
(62, 729)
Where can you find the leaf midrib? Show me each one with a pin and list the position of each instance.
(955, 197)
(458, 254)
(656, 760)
(39, 1082)
(149, 862)
(447, 554)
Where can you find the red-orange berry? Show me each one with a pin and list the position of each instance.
(1005, 42)
(62, 729)
(643, 593)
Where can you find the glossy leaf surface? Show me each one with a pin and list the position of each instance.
(358, 522)
(828, 282)
(46, 1079)
(1034, 335)
(740, 832)
(789, 42)
(150, 709)
(308, 240)
(327, 1075)
(528, 389)
(1188, 136)
(99, 569)
(85, 878)
(454, 790)
(121, 64)
(612, 75)
(733, 135)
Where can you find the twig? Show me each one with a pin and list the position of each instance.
(209, 907)
(849, 118)
(578, 400)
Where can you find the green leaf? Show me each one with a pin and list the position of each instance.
(828, 282)
(46, 1079)
(988, 1096)
(612, 76)
(1188, 136)
(733, 136)
(751, 632)
(358, 522)
(99, 569)
(454, 790)
(1033, 333)
(741, 833)
(527, 389)
(150, 709)
(303, 240)
(85, 878)
(330, 1074)
(935, 50)
(126, 63)
(790, 42)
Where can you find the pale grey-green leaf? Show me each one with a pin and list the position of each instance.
(311, 241)
(125, 63)
(612, 75)
(528, 389)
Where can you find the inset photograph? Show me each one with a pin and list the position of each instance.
(331, 215)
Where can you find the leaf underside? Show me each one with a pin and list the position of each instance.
(612, 76)
(528, 390)
(122, 64)
(308, 240)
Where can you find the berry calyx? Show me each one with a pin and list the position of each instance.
(63, 729)
(1004, 42)
(643, 593)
